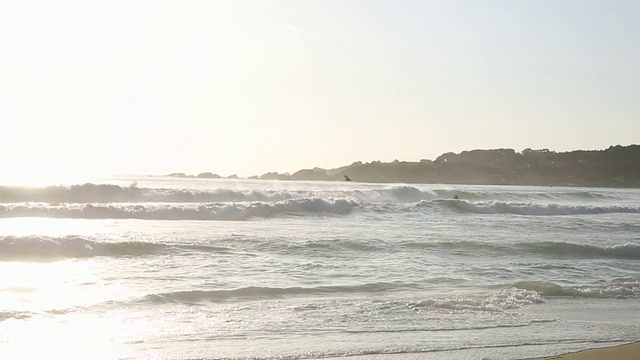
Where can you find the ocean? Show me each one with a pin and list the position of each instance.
(184, 268)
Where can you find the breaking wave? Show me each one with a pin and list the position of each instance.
(616, 289)
(109, 193)
(159, 211)
(294, 206)
(518, 208)
(509, 298)
(391, 194)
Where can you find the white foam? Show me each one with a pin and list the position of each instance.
(105, 193)
(510, 298)
(519, 208)
(160, 211)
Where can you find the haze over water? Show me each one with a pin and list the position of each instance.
(167, 268)
(237, 269)
(246, 87)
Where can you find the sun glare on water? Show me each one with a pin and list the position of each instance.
(58, 307)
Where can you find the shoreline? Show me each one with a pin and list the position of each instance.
(630, 351)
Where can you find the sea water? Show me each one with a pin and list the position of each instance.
(172, 268)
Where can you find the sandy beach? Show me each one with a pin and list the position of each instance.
(622, 352)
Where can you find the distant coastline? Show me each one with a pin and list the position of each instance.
(616, 166)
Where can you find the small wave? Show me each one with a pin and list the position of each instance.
(509, 298)
(452, 329)
(463, 245)
(625, 251)
(612, 290)
(519, 208)
(214, 211)
(44, 248)
(48, 248)
(327, 245)
(258, 292)
(549, 248)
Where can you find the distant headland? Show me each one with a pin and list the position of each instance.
(617, 166)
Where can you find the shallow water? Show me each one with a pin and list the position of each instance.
(217, 269)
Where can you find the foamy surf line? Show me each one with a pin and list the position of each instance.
(108, 193)
(299, 206)
(214, 211)
(608, 350)
(520, 208)
(622, 288)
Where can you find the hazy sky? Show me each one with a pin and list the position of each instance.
(248, 87)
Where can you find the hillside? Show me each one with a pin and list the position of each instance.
(617, 166)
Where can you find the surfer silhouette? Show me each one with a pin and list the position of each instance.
(346, 178)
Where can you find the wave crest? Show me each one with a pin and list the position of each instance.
(111, 193)
(261, 292)
(48, 248)
(609, 290)
(510, 298)
(107, 193)
(550, 248)
(624, 251)
(519, 208)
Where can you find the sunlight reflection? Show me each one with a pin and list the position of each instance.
(66, 310)
(55, 287)
(82, 336)
(54, 227)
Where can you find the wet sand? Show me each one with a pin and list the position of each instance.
(622, 352)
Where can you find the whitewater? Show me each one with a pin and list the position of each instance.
(182, 268)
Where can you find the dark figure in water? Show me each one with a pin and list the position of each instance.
(455, 197)
(346, 178)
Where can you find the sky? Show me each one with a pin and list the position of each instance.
(247, 87)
